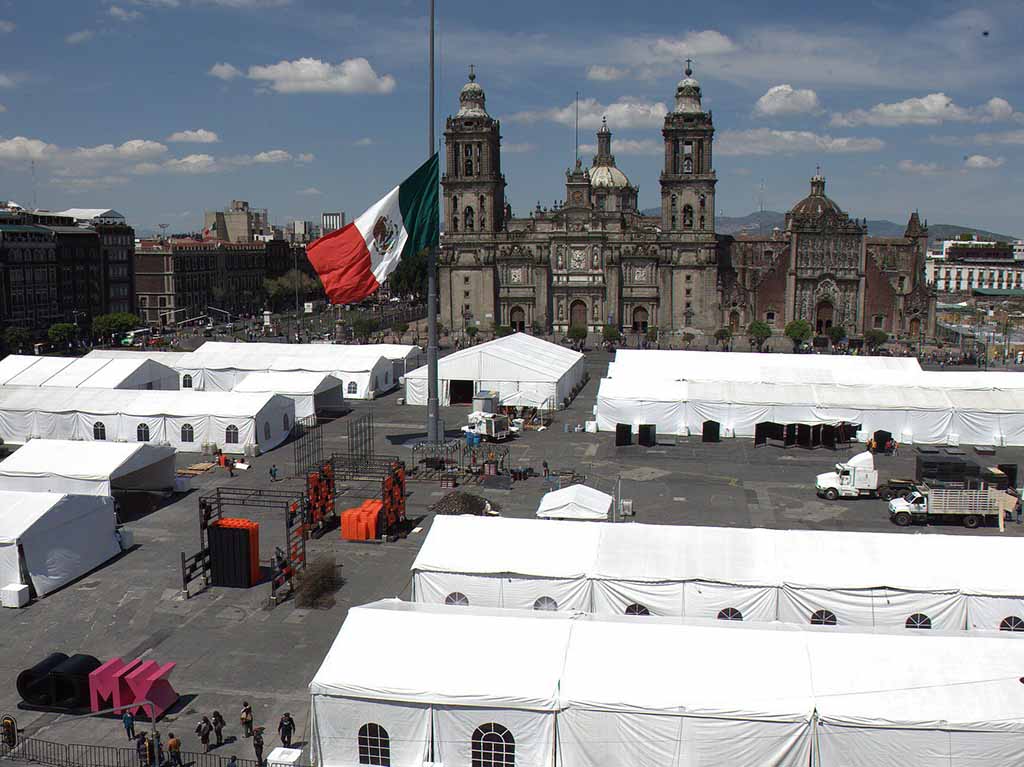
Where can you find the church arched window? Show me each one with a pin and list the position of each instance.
(674, 202)
(455, 213)
(467, 219)
(687, 217)
(483, 218)
(469, 166)
(702, 223)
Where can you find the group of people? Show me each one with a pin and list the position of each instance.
(889, 447)
(210, 728)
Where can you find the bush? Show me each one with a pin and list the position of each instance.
(611, 334)
(577, 333)
(723, 336)
(758, 332)
(652, 335)
(315, 586)
(875, 338)
(472, 331)
(500, 331)
(62, 333)
(799, 332)
(363, 327)
(18, 340)
(837, 333)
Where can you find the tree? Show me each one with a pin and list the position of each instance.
(363, 327)
(652, 335)
(500, 331)
(400, 329)
(611, 334)
(875, 338)
(62, 333)
(723, 336)
(471, 331)
(106, 325)
(688, 338)
(410, 277)
(281, 290)
(837, 333)
(17, 339)
(799, 332)
(758, 332)
(577, 333)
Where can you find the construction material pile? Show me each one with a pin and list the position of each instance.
(459, 502)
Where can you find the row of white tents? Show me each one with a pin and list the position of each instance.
(679, 391)
(132, 372)
(798, 577)
(506, 688)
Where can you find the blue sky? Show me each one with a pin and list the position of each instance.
(164, 108)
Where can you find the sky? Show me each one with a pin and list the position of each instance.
(162, 109)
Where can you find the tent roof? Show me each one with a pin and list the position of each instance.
(299, 383)
(998, 401)
(20, 510)
(134, 402)
(575, 502)
(744, 556)
(81, 460)
(170, 359)
(676, 666)
(517, 357)
(391, 351)
(99, 372)
(222, 355)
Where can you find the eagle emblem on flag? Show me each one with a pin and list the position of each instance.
(384, 234)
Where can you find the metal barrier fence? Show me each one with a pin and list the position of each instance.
(44, 752)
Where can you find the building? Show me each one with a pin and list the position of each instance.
(117, 246)
(301, 232)
(177, 280)
(238, 223)
(596, 259)
(961, 266)
(332, 221)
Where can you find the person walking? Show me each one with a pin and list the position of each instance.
(174, 749)
(142, 750)
(273, 472)
(129, 724)
(246, 718)
(257, 745)
(895, 447)
(203, 730)
(286, 728)
(233, 761)
(218, 727)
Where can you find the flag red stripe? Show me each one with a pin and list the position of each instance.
(343, 264)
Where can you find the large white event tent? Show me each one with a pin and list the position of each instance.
(575, 502)
(863, 580)
(312, 393)
(183, 419)
(650, 692)
(523, 370)
(88, 372)
(680, 391)
(88, 468)
(54, 538)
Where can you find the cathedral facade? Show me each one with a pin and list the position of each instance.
(595, 259)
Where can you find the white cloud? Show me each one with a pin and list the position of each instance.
(88, 184)
(308, 75)
(123, 14)
(267, 158)
(919, 168)
(983, 162)
(2, 108)
(192, 164)
(135, 149)
(365, 141)
(6, 81)
(246, 3)
(157, 3)
(764, 141)
(933, 109)
(624, 113)
(513, 148)
(198, 136)
(6, 26)
(647, 146)
(786, 100)
(605, 73)
(309, 191)
(224, 71)
(708, 42)
(81, 36)
(305, 157)
(1007, 137)
(22, 148)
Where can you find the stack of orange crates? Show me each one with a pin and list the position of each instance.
(252, 529)
(360, 523)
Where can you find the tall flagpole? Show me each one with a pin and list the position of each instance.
(433, 437)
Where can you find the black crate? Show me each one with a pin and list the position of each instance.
(229, 557)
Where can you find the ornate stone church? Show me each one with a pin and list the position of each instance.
(594, 259)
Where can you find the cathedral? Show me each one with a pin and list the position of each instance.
(595, 259)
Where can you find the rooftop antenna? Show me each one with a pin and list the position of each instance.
(577, 127)
(35, 204)
(163, 231)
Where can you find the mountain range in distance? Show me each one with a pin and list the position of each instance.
(763, 223)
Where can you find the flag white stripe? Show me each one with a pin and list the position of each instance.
(383, 263)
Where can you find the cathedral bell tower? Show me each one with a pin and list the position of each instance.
(688, 178)
(474, 188)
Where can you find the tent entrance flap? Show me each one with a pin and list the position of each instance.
(710, 431)
(461, 392)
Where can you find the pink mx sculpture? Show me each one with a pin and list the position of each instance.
(123, 684)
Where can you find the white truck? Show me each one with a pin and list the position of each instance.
(857, 478)
(490, 426)
(971, 508)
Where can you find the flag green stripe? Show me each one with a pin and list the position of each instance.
(417, 199)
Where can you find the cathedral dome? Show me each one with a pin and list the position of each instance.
(471, 98)
(688, 93)
(608, 176)
(816, 204)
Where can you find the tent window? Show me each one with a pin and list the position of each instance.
(493, 746)
(636, 609)
(266, 429)
(1012, 623)
(545, 603)
(823, 618)
(231, 435)
(919, 621)
(186, 381)
(188, 434)
(374, 745)
(730, 614)
(142, 433)
(352, 387)
(457, 598)
(99, 431)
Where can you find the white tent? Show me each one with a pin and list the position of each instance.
(87, 468)
(575, 502)
(867, 580)
(311, 392)
(523, 370)
(53, 538)
(651, 692)
(90, 372)
(184, 419)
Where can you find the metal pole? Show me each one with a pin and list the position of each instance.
(295, 254)
(433, 437)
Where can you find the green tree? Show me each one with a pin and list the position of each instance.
(837, 333)
(106, 325)
(18, 340)
(652, 335)
(281, 290)
(400, 329)
(472, 331)
(410, 277)
(875, 338)
(500, 331)
(723, 336)
(364, 326)
(688, 338)
(758, 332)
(799, 332)
(577, 333)
(611, 334)
(62, 333)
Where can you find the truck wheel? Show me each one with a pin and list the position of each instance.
(971, 521)
(902, 518)
(831, 493)
(887, 494)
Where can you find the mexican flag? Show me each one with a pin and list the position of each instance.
(353, 261)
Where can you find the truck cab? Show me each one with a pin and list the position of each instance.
(852, 479)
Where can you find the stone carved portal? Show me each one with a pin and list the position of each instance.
(578, 314)
(823, 316)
